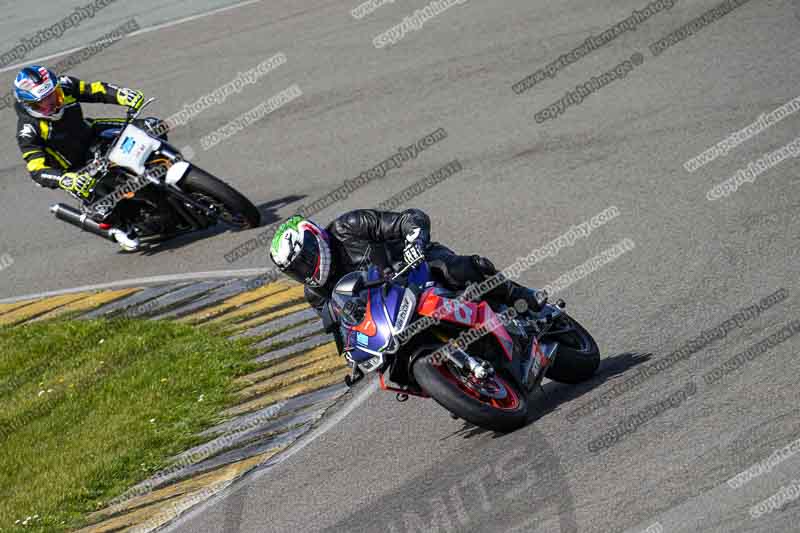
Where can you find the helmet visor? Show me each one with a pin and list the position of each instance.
(305, 265)
(50, 104)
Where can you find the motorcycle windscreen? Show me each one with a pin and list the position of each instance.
(400, 305)
(401, 302)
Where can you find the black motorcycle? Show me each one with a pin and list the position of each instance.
(146, 191)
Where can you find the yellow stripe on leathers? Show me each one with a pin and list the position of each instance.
(58, 157)
(36, 164)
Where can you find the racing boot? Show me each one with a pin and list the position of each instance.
(125, 241)
(508, 292)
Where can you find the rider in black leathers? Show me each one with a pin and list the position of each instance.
(52, 133)
(319, 257)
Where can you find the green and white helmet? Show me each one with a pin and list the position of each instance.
(301, 249)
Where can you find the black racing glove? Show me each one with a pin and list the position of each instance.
(416, 244)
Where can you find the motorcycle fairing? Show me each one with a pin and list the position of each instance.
(373, 334)
(133, 148)
(388, 311)
(536, 364)
(468, 314)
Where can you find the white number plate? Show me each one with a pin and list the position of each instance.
(133, 148)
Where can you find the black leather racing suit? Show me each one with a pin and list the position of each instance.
(52, 147)
(366, 236)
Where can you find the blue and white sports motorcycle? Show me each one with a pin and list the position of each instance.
(487, 382)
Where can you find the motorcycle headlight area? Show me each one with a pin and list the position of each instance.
(351, 309)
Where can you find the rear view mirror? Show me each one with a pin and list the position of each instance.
(350, 284)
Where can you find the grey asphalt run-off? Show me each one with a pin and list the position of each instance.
(523, 184)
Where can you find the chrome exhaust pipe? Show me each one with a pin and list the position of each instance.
(76, 218)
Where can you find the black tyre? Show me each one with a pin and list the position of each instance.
(235, 210)
(497, 406)
(578, 356)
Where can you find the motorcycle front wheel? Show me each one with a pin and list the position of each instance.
(492, 403)
(578, 356)
(233, 208)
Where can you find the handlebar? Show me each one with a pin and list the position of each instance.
(382, 281)
(408, 267)
(374, 283)
(130, 116)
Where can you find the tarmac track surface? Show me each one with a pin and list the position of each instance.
(404, 467)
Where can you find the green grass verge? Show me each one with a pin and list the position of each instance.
(89, 408)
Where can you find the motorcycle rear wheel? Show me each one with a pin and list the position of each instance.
(235, 209)
(503, 408)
